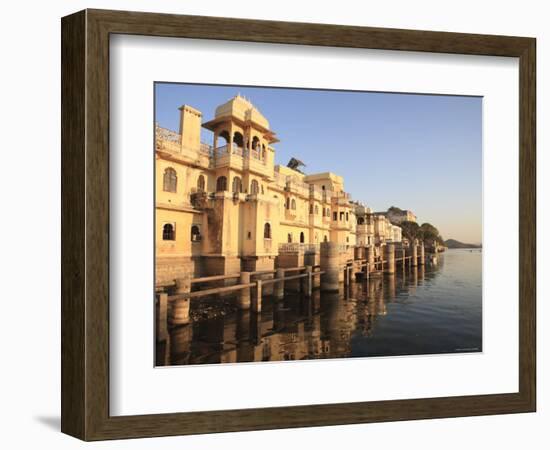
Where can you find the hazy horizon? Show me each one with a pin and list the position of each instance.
(414, 151)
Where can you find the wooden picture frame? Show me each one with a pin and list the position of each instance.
(85, 224)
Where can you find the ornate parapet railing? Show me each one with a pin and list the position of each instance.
(315, 192)
(296, 247)
(280, 180)
(206, 149)
(221, 151)
(164, 134)
(311, 248)
(294, 185)
(236, 150)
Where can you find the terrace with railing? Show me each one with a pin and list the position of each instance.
(327, 195)
(297, 247)
(315, 192)
(365, 229)
(206, 149)
(237, 157)
(239, 151)
(165, 134)
(169, 141)
(342, 198)
(297, 186)
(279, 180)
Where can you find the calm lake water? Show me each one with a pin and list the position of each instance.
(425, 310)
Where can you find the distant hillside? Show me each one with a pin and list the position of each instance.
(453, 243)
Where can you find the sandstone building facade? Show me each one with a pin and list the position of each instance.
(227, 207)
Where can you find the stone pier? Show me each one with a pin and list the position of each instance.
(307, 282)
(370, 258)
(316, 279)
(180, 307)
(390, 258)
(279, 288)
(422, 258)
(244, 294)
(162, 317)
(260, 264)
(257, 298)
(291, 255)
(330, 261)
(414, 253)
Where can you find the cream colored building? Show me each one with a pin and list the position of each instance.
(375, 228)
(397, 216)
(227, 207)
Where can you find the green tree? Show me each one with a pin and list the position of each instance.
(429, 233)
(411, 230)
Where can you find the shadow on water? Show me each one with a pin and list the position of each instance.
(424, 310)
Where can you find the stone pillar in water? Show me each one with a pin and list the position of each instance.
(330, 260)
(414, 252)
(422, 259)
(279, 289)
(370, 258)
(257, 300)
(390, 258)
(244, 294)
(162, 317)
(180, 307)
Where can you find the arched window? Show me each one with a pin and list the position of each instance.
(225, 136)
(302, 237)
(293, 204)
(325, 239)
(288, 203)
(311, 209)
(168, 233)
(221, 184)
(267, 231)
(328, 212)
(254, 187)
(170, 180)
(237, 185)
(334, 215)
(195, 233)
(316, 210)
(201, 183)
(263, 151)
(347, 217)
(262, 186)
(255, 143)
(289, 238)
(360, 221)
(238, 139)
(324, 212)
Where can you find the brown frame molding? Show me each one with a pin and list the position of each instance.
(85, 224)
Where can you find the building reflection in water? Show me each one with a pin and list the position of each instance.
(296, 328)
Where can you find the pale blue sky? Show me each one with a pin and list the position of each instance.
(417, 152)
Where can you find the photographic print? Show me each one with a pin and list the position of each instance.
(296, 224)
